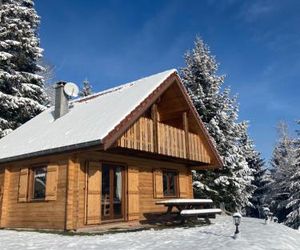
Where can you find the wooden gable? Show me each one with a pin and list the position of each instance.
(167, 124)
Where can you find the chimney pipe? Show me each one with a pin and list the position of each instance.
(61, 101)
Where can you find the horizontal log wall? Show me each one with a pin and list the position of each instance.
(140, 172)
(33, 214)
(68, 211)
(146, 188)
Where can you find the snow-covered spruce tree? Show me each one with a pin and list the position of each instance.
(256, 165)
(261, 197)
(293, 218)
(261, 181)
(86, 89)
(285, 164)
(219, 112)
(48, 75)
(22, 95)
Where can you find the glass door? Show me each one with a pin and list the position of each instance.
(112, 192)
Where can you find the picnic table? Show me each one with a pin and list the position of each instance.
(183, 204)
(189, 207)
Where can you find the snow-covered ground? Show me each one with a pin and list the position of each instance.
(254, 235)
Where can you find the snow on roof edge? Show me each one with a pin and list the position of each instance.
(52, 151)
(121, 86)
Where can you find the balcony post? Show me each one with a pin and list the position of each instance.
(186, 133)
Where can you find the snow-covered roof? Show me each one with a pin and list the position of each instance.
(87, 123)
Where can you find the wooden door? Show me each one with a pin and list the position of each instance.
(1, 190)
(112, 192)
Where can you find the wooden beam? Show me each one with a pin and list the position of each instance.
(186, 132)
(5, 197)
(204, 167)
(154, 116)
(71, 194)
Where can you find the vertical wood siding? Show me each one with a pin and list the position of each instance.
(133, 193)
(171, 141)
(23, 184)
(139, 136)
(197, 150)
(157, 184)
(51, 184)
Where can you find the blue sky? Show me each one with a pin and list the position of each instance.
(257, 44)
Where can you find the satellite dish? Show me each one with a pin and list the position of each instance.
(71, 89)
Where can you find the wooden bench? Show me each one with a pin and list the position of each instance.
(187, 208)
(199, 212)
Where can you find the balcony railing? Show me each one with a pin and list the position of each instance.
(171, 141)
(139, 136)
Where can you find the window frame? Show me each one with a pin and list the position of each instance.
(176, 183)
(32, 182)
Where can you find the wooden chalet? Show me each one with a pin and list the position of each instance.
(104, 158)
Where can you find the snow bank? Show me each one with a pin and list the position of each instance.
(254, 235)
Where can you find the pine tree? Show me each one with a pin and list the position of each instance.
(86, 89)
(256, 168)
(284, 162)
(261, 182)
(22, 95)
(261, 197)
(293, 218)
(201, 80)
(219, 112)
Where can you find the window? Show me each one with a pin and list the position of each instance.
(39, 183)
(170, 180)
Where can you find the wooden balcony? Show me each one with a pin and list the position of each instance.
(170, 141)
(139, 136)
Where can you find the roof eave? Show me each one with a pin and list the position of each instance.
(63, 149)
